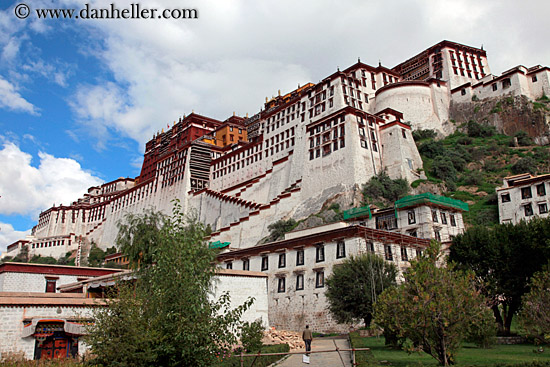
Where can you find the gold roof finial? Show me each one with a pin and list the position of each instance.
(279, 92)
(247, 115)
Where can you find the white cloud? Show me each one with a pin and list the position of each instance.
(10, 99)
(8, 235)
(27, 189)
(238, 52)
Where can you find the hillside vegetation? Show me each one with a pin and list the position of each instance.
(470, 164)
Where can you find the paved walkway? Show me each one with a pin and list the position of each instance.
(329, 359)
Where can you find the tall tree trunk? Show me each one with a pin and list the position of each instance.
(498, 318)
(512, 309)
(368, 320)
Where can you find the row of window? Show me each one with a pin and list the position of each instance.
(319, 281)
(443, 217)
(300, 258)
(236, 157)
(50, 244)
(388, 254)
(527, 194)
(528, 209)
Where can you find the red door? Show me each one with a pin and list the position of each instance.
(54, 348)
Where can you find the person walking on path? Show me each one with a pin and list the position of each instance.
(307, 336)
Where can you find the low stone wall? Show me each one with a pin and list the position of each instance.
(509, 340)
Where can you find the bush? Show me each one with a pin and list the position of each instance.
(382, 186)
(424, 134)
(96, 257)
(251, 335)
(523, 138)
(278, 229)
(472, 178)
(37, 259)
(483, 332)
(476, 130)
(536, 308)
(442, 169)
(491, 166)
(431, 149)
(524, 165)
(465, 140)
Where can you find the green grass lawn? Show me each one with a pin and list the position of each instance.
(469, 355)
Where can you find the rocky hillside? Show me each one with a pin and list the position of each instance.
(508, 115)
(470, 164)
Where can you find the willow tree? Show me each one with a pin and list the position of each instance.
(164, 315)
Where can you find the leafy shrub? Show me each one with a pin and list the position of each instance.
(96, 256)
(37, 259)
(465, 140)
(536, 307)
(422, 134)
(523, 138)
(491, 166)
(542, 155)
(472, 178)
(251, 335)
(476, 130)
(524, 165)
(279, 228)
(483, 331)
(64, 260)
(443, 170)
(431, 149)
(382, 186)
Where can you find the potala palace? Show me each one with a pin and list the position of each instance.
(301, 152)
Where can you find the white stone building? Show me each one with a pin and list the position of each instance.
(303, 148)
(298, 266)
(425, 215)
(523, 197)
(32, 312)
(44, 309)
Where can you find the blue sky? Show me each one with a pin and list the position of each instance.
(79, 98)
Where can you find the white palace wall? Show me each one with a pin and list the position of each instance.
(424, 106)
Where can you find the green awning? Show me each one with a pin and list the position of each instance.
(413, 200)
(218, 244)
(357, 212)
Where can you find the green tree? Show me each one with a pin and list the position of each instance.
(96, 256)
(354, 286)
(164, 316)
(251, 335)
(433, 307)
(504, 257)
(535, 314)
(422, 134)
(382, 186)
